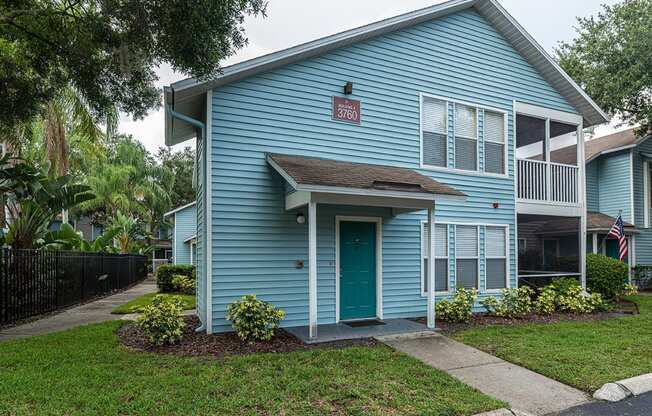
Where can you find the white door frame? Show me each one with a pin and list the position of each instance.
(379, 261)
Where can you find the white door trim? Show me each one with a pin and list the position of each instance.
(379, 261)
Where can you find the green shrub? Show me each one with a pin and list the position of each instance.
(606, 276)
(162, 320)
(459, 309)
(165, 274)
(184, 284)
(546, 303)
(575, 301)
(630, 290)
(515, 303)
(254, 319)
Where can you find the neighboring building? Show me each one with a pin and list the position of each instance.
(321, 167)
(184, 234)
(618, 181)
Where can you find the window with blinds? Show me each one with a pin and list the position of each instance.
(466, 256)
(433, 128)
(496, 258)
(494, 142)
(466, 137)
(441, 257)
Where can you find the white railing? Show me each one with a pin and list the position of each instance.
(548, 182)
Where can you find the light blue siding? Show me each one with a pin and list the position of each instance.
(593, 186)
(615, 185)
(255, 243)
(644, 237)
(185, 226)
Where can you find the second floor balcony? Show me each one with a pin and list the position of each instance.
(549, 173)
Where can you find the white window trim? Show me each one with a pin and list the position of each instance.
(422, 98)
(505, 257)
(646, 194)
(422, 257)
(504, 142)
(476, 258)
(478, 107)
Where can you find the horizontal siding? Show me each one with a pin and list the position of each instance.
(593, 186)
(615, 191)
(644, 237)
(255, 243)
(185, 226)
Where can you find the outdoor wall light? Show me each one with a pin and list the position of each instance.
(348, 88)
(301, 219)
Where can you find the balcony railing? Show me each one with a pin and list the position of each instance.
(540, 181)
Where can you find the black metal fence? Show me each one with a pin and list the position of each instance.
(35, 282)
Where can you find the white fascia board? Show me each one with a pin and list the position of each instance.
(167, 214)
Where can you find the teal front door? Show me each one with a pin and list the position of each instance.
(357, 270)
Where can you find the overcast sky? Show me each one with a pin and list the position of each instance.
(290, 22)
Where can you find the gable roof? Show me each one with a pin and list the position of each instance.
(185, 96)
(303, 173)
(594, 148)
(181, 208)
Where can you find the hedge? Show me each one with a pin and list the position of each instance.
(165, 274)
(606, 276)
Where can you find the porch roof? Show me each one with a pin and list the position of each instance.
(325, 175)
(595, 222)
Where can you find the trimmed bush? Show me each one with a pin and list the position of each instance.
(162, 320)
(459, 309)
(515, 303)
(606, 276)
(184, 284)
(166, 272)
(254, 319)
(546, 303)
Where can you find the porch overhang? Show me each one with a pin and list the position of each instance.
(325, 181)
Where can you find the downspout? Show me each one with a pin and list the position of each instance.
(201, 133)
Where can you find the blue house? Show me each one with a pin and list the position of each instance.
(184, 233)
(367, 174)
(618, 181)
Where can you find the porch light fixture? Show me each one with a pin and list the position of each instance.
(348, 88)
(301, 219)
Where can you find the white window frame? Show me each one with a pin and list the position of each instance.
(448, 168)
(476, 138)
(646, 193)
(476, 258)
(505, 258)
(504, 142)
(422, 98)
(447, 257)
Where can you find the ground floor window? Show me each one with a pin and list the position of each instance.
(496, 258)
(466, 256)
(441, 257)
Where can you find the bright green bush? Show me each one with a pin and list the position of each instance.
(184, 284)
(459, 309)
(630, 290)
(165, 274)
(606, 276)
(254, 319)
(575, 301)
(515, 303)
(546, 303)
(162, 320)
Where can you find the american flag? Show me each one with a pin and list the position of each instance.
(618, 232)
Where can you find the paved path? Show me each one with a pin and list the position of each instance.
(521, 388)
(97, 311)
(633, 406)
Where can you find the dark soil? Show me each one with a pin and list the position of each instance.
(625, 308)
(219, 345)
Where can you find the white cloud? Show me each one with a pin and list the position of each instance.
(291, 22)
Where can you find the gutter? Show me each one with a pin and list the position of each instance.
(201, 133)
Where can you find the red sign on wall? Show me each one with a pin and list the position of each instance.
(347, 110)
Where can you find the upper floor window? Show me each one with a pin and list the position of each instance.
(466, 137)
(494, 142)
(434, 126)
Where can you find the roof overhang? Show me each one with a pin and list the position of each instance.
(188, 96)
(190, 239)
(181, 208)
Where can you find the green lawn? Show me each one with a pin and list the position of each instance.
(137, 305)
(585, 355)
(85, 371)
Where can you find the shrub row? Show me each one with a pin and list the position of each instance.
(166, 274)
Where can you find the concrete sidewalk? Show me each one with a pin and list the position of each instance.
(92, 312)
(521, 388)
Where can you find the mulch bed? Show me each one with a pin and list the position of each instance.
(625, 308)
(223, 344)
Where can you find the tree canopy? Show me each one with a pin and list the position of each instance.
(108, 50)
(611, 58)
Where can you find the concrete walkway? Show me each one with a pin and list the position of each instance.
(521, 388)
(93, 312)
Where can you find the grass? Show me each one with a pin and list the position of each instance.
(86, 371)
(582, 354)
(137, 305)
